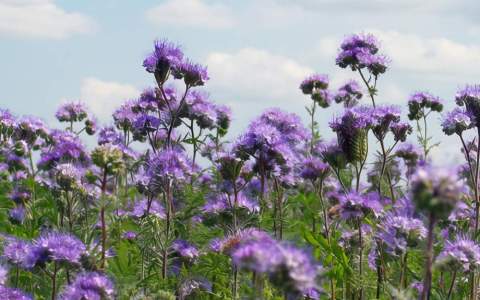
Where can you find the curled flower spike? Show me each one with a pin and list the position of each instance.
(421, 102)
(462, 253)
(436, 191)
(349, 94)
(360, 51)
(165, 57)
(457, 121)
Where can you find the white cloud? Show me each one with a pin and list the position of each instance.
(191, 13)
(41, 19)
(410, 51)
(103, 97)
(256, 73)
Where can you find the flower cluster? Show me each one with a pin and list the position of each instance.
(360, 51)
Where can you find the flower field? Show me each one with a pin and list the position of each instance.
(160, 204)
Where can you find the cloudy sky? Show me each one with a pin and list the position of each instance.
(257, 51)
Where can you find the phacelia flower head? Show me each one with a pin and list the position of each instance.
(436, 191)
(124, 116)
(89, 285)
(58, 247)
(420, 103)
(462, 253)
(288, 124)
(354, 206)
(332, 153)
(108, 134)
(71, 112)
(146, 207)
(382, 118)
(29, 129)
(457, 121)
(316, 85)
(165, 57)
(17, 214)
(360, 51)
(17, 252)
(193, 74)
(64, 146)
(185, 250)
(287, 267)
(3, 274)
(349, 94)
(200, 109)
(7, 122)
(397, 231)
(68, 176)
(313, 168)
(400, 131)
(300, 269)
(13, 294)
(314, 82)
(470, 97)
(225, 203)
(170, 164)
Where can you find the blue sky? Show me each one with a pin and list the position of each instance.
(257, 51)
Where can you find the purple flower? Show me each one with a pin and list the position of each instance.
(398, 231)
(382, 118)
(29, 128)
(129, 235)
(64, 146)
(190, 285)
(141, 209)
(223, 202)
(17, 214)
(470, 97)
(124, 116)
(68, 176)
(400, 131)
(436, 191)
(260, 256)
(59, 247)
(457, 121)
(193, 74)
(224, 117)
(166, 57)
(89, 285)
(289, 125)
(109, 135)
(313, 168)
(349, 93)
(287, 267)
(3, 274)
(13, 294)
(462, 253)
(201, 110)
(410, 153)
(18, 252)
(314, 82)
(302, 270)
(419, 102)
(360, 51)
(170, 164)
(7, 121)
(185, 249)
(20, 195)
(355, 206)
(71, 112)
